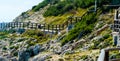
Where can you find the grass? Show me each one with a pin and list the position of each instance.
(60, 19)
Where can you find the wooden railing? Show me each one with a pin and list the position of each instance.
(45, 27)
(104, 55)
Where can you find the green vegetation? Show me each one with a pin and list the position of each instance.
(43, 4)
(67, 5)
(37, 34)
(83, 27)
(58, 7)
(3, 35)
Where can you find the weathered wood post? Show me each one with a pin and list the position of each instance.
(48, 28)
(52, 28)
(70, 21)
(106, 56)
(44, 27)
(14, 24)
(76, 19)
(117, 14)
(20, 25)
(23, 25)
(17, 24)
(1, 25)
(39, 26)
(56, 29)
(62, 26)
(8, 25)
(32, 26)
(11, 25)
(59, 28)
(36, 26)
(67, 24)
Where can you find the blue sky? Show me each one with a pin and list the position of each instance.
(9, 9)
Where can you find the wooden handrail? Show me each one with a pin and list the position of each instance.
(105, 53)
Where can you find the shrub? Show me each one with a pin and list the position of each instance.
(82, 28)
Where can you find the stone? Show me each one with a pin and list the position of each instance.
(3, 59)
(32, 51)
(14, 59)
(23, 55)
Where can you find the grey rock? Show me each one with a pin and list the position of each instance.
(32, 51)
(23, 55)
(3, 59)
(14, 59)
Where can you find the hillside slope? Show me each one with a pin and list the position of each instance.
(81, 43)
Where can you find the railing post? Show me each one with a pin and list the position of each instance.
(56, 29)
(36, 25)
(8, 25)
(117, 15)
(67, 24)
(23, 25)
(52, 28)
(62, 26)
(106, 56)
(11, 25)
(32, 26)
(44, 27)
(48, 27)
(70, 20)
(76, 19)
(14, 24)
(28, 25)
(59, 28)
(20, 25)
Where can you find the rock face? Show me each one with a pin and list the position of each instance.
(24, 55)
(3, 59)
(36, 17)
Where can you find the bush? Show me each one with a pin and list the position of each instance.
(67, 5)
(40, 5)
(82, 28)
(32, 33)
(43, 4)
(84, 57)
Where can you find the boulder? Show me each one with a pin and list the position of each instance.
(3, 59)
(32, 51)
(23, 55)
